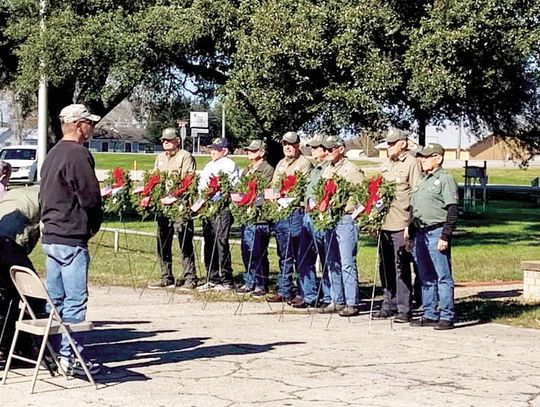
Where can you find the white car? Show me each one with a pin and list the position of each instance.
(23, 160)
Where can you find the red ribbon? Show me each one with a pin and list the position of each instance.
(250, 195)
(373, 189)
(213, 186)
(184, 185)
(329, 189)
(150, 184)
(287, 184)
(118, 176)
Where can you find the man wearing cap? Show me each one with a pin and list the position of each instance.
(71, 214)
(175, 160)
(344, 279)
(217, 254)
(288, 230)
(312, 241)
(255, 237)
(395, 260)
(434, 215)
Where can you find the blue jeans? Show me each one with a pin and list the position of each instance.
(435, 269)
(343, 248)
(67, 278)
(313, 245)
(287, 239)
(255, 239)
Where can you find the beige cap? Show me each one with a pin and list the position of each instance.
(168, 134)
(431, 149)
(394, 135)
(291, 137)
(316, 141)
(74, 113)
(333, 141)
(256, 145)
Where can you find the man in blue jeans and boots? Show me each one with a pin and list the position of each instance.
(312, 241)
(434, 215)
(288, 230)
(71, 214)
(344, 236)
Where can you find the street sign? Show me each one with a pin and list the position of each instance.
(198, 119)
(196, 132)
(183, 132)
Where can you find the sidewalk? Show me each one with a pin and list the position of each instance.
(160, 349)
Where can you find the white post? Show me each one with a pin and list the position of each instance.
(116, 240)
(42, 101)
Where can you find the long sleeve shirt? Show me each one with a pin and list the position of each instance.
(213, 168)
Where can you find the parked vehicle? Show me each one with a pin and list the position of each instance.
(23, 160)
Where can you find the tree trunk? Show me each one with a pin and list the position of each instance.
(422, 123)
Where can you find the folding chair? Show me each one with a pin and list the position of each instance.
(29, 285)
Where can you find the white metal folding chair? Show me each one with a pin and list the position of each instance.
(29, 285)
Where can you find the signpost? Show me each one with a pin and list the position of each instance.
(182, 124)
(198, 122)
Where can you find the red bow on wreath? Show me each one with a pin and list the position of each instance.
(213, 186)
(329, 189)
(287, 184)
(184, 185)
(250, 195)
(118, 176)
(150, 184)
(373, 190)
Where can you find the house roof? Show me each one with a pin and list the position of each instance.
(120, 133)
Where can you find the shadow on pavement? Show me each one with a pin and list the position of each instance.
(485, 310)
(130, 350)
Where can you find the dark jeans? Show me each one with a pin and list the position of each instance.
(255, 239)
(288, 239)
(184, 232)
(217, 253)
(395, 271)
(12, 254)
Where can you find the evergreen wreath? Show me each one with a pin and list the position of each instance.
(216, 196)
(180, 195)
(291, 192)
(116, 192)
(375, 196)
(146, 199)
(331, 197)
(248, 210)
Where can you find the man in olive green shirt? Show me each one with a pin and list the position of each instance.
(344, 279)
(394, 264)
(256, 236)
(434, 215)
(288, 230)
(175, 160)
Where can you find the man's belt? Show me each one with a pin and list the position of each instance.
(431, 227)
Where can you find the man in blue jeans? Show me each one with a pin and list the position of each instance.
(434, 213)
(71, 214)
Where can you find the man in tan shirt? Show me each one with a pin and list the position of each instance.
(288, 230)
(175, 160)
(395, 260)
(343, 238)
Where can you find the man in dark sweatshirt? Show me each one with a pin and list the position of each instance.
(71, 214)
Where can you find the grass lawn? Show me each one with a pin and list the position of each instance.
(504, 176)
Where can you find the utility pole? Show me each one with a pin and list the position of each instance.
(42, 98)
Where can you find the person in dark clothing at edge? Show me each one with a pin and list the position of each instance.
(71, 214)
(19, 234)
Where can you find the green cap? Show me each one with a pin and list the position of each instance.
(316, 141)
(430, 149)
(256, 145)
(291, 137)
(394, 135)
(168, 134)
(332, 141)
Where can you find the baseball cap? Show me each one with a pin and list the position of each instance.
(256, 145)
(291, 137)
(430, 149)
(332, 141)
(219, 143)
(416, 151)
(74, 113)
(394, 135)
(316, 141)
(168, 134)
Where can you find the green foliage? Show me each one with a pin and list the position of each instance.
(216, 198)
(250, 213)
(329, 218)
(119, 202)
(372, 221)
(184, 190)
(290, 197)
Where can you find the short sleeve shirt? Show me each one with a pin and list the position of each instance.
(180, 162)
(261, 167)
(288, 166)
(431, 197)
(405, 172)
